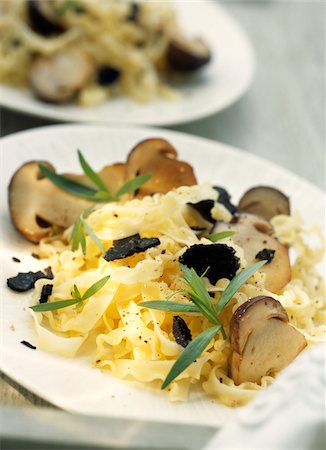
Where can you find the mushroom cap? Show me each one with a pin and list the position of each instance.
(58, 78)
(253, 234)
(36, 204)
(158, 157)
(249, 314)
(186, 54)
(265, 201)
(43, 19)
(262, 340)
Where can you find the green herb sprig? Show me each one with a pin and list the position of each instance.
(221, 235)
(78, 233)
(202, 303)
(102, 193)
(76, 297)
(65, 6)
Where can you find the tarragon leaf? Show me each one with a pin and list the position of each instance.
(95, 287)
(104, 196)
(193, 350)
(236, 283)
(54, 305)
(166, 305)
(76, 299)
(222, 235)
(68, 185)
(77, 236)
(133, 184)
(75, 293)
(91, 174)
(65, 6)
(93, 235)
(199, 294)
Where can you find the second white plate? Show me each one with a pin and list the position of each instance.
(224, 80)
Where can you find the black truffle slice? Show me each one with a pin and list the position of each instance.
(204, 209)
(134, 12)
(28, 344)
(46, 292)
(25, 281)
(219, 260)
(266, 253)
(129, 246)
(107, 75)
(225, 199)
(181, 332)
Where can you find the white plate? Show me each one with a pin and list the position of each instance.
(224, 80)
(74, 384)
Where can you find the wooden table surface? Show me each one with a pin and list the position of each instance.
(281, 118)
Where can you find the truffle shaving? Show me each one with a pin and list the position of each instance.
(266, 253)
(29, 345)
(46, 292)
(181, 332)
(224, 199)
(122, 248)
(216, 261)
(25, 281)
(204, 209)
(134, 12)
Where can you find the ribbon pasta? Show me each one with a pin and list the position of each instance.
(135, 343)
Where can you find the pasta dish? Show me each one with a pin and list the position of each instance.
(93, 50)
(139, 279)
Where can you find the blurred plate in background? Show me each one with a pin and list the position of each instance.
(217, 86)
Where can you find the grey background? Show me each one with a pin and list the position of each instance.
(281, 117)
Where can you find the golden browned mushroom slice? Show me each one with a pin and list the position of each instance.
(59, 77)
(262, 340)
(36, 204)
(187, 54)
(159, 157)
(253, 234)
(264, 201)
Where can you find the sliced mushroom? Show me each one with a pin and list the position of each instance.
(253, 234)
(159, 157)
(262, 340)
(36, 204)
(43, 19)
(187, 54)
(58, 78)
(265, 201)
